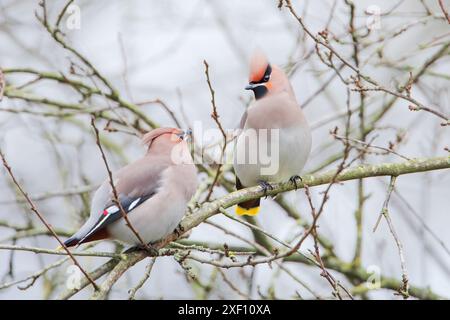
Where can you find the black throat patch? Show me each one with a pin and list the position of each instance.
(260, 91)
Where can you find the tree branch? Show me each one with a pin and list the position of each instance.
(211, 208)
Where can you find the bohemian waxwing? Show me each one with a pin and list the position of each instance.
(273, 123)
(153, 191)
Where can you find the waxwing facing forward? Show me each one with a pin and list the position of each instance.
(275, 140)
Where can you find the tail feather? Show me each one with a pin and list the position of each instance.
(247, 208)
(78, 239)
(72, 241)
(241, 211)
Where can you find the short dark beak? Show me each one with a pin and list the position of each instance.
(185, 135)
(250, 86)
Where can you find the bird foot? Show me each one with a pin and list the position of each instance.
(265, 186)
(179, 230)
(293, 180)
(149, 248)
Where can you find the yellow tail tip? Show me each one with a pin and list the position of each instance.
(59, 248)
(247, 212)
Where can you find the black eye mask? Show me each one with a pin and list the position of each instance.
(265, 77)
(267, 74)
(257, 87)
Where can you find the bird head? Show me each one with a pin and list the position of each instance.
(161, 138)
(169, 142)
(265, 78)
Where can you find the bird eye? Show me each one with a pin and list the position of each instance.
(267, 74)
(181, 135)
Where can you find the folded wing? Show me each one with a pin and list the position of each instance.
(134, 184)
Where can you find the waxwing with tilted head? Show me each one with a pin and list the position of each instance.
(153, 191)
(275, 139)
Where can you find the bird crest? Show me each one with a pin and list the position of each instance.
(258, 66)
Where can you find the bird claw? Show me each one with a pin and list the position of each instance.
(151, 250)
(179, 230)
(265, 186)
(293, 180)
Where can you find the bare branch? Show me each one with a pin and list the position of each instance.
(41, 217)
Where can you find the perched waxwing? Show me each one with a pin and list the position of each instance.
(275, 139)
(153, 191)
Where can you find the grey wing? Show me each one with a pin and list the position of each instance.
(139, 180)
(134, 185)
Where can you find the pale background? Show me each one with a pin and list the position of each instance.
(165, 43)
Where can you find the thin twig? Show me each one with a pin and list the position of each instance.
(113, 187)
(232, 285)
(384, 209)
(61, 14)
(404, 290)
(41, 217)
(148, 270)
(441, 4)
(165, 107)
(61, 253)
(215, 117)
(34, 276)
